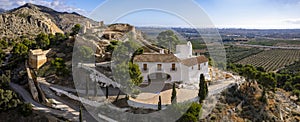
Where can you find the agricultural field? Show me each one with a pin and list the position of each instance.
(234, 53)
(272, 60)
(271, 42)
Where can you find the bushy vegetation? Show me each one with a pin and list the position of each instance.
(293, 69)
(25, 109)
(3, 44)
(2, 56)
(112, 46)
(86, 53)
(192, 114)
(75, 29)
(125, 65)
(42, 41)
(20, 50)
(270, 81)
(58, 64)
(9, 99)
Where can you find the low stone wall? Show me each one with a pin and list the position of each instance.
(144, 105)
(31, 84)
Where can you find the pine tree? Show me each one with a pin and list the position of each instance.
(173, 97)
(203, 90)
(159, 103)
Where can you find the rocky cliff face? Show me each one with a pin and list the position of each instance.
(32, 19)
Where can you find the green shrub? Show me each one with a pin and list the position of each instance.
(25, 109)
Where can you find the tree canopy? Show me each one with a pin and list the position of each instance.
(167, 39)
(20, 49)
(86, 53)
(42, 41)
(59, 65)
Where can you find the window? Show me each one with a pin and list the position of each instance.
(145, 67)
(158, 66)
(199, 68)
(173, 67)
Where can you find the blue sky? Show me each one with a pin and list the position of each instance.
(262, 14)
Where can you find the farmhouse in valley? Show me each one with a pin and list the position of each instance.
(182, 66)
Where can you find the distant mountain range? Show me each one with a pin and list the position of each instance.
(2, 10)
(31, 19)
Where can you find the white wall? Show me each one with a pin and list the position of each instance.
(166, 68)
(183, 73)
(194, 72)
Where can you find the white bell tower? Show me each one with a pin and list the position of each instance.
(190, 49)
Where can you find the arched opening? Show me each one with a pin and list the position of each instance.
(156, 82)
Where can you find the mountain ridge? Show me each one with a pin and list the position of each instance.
(30, 19)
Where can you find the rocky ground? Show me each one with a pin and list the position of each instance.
(245, 103)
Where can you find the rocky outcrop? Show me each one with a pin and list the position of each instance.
(31, 19)
(63, 20)
(26, 21)
(118, 31)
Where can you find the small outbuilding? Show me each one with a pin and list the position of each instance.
(37, 58)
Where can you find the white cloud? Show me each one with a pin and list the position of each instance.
(58, 5)
(293, 21)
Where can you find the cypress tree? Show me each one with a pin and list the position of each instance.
(173, 97)
(159, 103)
(106, 92)
(203, 90)
(80, 114)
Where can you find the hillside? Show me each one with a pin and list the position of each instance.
(247, 103)
(31, 19)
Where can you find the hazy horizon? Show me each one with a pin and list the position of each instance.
(246, 14)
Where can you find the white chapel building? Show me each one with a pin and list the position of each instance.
(181, 66)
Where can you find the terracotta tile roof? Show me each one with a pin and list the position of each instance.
(201, 59)
(156, 58)
(194, 60)
(170, 58)
(189, 62)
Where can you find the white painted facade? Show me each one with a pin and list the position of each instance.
(166, 68)
(178, 70)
